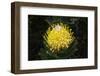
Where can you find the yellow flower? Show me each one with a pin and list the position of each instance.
(58, 36)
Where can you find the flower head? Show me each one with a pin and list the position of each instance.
(58, 36)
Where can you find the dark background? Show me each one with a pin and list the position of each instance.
(38, 25)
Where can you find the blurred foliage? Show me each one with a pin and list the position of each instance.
(38, 25)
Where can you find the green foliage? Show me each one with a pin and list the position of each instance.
(65, 53)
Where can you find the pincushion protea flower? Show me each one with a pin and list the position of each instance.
(58, 36)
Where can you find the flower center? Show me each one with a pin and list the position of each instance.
(57, 28)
